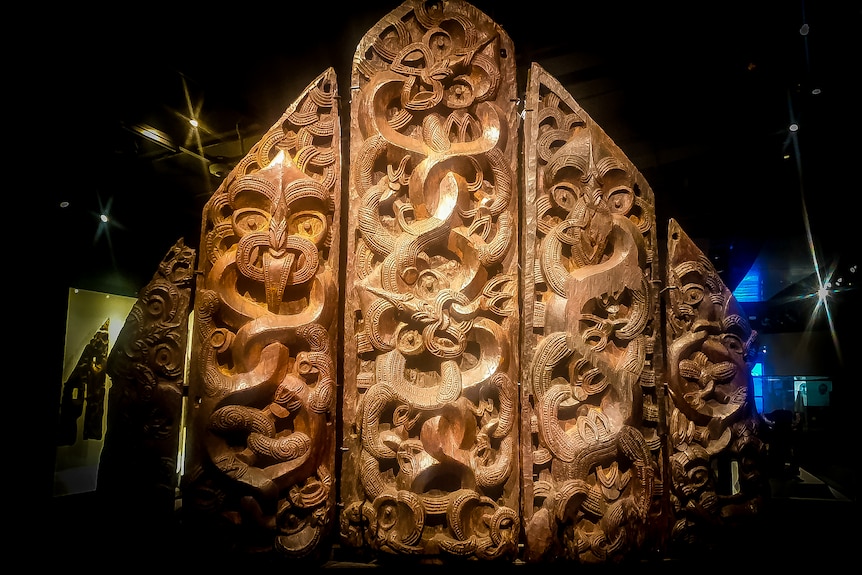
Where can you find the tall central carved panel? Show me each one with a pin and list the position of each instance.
(431, 466)
(261, 458)
(590, 412)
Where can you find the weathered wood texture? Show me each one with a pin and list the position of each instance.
(263, 376)
(430, 409)
(590, 441)
(138, 464)
(477, 259)
(717, 438)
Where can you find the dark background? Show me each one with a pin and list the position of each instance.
(698, 95)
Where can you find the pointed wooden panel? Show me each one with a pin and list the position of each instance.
(590, 440)
(138, 463)
(263, 377)
(717, 449)
(431, 465)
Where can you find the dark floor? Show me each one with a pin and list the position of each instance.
(811, 521)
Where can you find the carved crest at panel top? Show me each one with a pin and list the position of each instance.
(263, 382)
(589, 412)
(431, 464)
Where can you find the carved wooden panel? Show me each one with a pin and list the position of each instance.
(138, 464)
(431, 465)
(717, 450)
(590, 416)
(84, 392)
(263, 379)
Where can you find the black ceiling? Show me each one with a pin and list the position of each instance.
(699, 96)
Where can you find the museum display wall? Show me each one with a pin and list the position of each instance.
(472, 347)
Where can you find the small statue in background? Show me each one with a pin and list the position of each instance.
(85, 386)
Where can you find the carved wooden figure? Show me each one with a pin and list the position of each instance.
(590, 441)
(431, 466)
(84, 392)
(138, 463)
(263, 378)
(717, 449)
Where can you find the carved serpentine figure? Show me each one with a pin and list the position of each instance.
(589, 406)
(264, 371)
(431, 462)
(718, 455)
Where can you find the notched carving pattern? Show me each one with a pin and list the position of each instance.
(718, 452)
(432, 305)
(590, 404)
(264, 370)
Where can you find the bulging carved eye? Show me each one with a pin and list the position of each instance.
(308, 224)
(565, 196)
(440, 42)
(250, 220)
(692, 294)
(460, 93)
(387, 516)
(620, 200)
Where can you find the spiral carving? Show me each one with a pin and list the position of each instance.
(590, 319)
(714, 422)
(264, 372)
(145, 401)
(431, 405)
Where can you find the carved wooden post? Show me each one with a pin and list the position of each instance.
(138, 464)
(589, 413)
(718, 453)
(263, 379)
(431, 465)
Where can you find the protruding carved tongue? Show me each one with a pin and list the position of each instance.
(276, 271)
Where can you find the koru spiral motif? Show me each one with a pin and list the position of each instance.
(591, 315)
(264, 361)
(713, 422)
(431, 402)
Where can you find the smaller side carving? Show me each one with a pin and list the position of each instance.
(718, 454)
(138, 463)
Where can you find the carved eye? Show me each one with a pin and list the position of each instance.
(250, 220)
(698, 475)
(733, 344)
(308, 224)
(410, 342)
(564, 196)
(387, 516)
(620, 200)
(303, 365)
(460, 93)
(428, 284)
(692, 294)
(440, 42)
